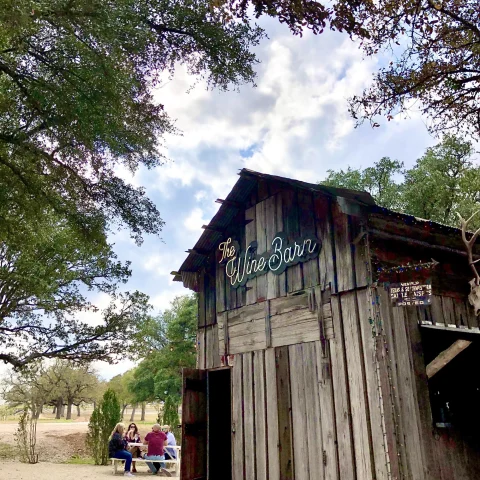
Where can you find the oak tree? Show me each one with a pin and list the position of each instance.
(433, 46)
(77, 102)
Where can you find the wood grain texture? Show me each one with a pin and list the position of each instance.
(201, 350)
(250, 236)
(299, 413)
(272, 415)
(386, 315)
(271, 229)
(282, 278)
(321, 206)
(223, 345)
(374, 392)
(405, 388)
(356, 381)
(260, 440)
(361, 258)
(237, 419)
(201, 299)
(421, 393)
(220, 287)
(284, 414)
(292, 230)
(248, 416)
(260, 219)
(307, 227)
(194, 412)
(312, 407)
(343, 250)
(327, 413)
(346, 461)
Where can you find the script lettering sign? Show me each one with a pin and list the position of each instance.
(405, 294)
(242, 266)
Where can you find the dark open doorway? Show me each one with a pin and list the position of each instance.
(219, 425)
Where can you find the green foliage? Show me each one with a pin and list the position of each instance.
(170, 415)
(102, 422)
(444, 181)
(26, 436)
(47, 272)
(120, 385)
(378, 180)
(159, 375)
(8, 451)
(76, 107)
(77, 460)
(76, 101)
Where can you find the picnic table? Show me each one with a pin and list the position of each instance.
(175, 462)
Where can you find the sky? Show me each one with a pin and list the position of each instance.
(295, 123)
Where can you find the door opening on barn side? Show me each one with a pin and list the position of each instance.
(452, 361)
(219, 414)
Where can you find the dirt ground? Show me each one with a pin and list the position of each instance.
(58, 471)
(57, 443)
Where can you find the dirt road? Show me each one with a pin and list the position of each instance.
(58, 471)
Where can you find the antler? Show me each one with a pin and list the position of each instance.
(469, 244)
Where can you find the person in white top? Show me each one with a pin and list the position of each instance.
(170, 453)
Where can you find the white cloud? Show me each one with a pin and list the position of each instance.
(195, 220)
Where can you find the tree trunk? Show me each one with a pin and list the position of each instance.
(59, 408)
(142, 419)
(123, 409)
(94, 405)
(41, 408)
(69, 410)
(78, 410)
(62, 411)
(54, 411)
(132, 416)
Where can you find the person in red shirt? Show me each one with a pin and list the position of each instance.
(156, 441)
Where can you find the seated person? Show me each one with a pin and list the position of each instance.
(133, 436)
(117, 448)
(170, 453)
(156, 441)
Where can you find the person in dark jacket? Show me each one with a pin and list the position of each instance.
(117, 448)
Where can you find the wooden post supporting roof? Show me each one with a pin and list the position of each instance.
(446, 356)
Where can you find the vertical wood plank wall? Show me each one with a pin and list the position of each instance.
(350, 406)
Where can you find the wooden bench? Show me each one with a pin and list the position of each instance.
(175, 462)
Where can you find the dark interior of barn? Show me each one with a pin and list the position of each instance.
(455, 388)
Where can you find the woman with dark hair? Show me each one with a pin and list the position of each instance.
(132, 436)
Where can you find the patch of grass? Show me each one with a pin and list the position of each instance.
(7, 451)
(78, 460)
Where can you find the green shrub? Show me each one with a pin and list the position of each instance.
(102, 422)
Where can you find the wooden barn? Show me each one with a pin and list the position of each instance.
(335, 341)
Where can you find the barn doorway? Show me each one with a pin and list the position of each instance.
(219, 414)
(455, 388)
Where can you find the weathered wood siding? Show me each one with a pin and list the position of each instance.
(328, 380)
(423, 452)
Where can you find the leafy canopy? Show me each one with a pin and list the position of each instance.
(434, 46)
(76, 102)
(46, 275)
(444, 181)
(159, 375)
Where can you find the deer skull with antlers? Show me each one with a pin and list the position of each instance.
(474, 296)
